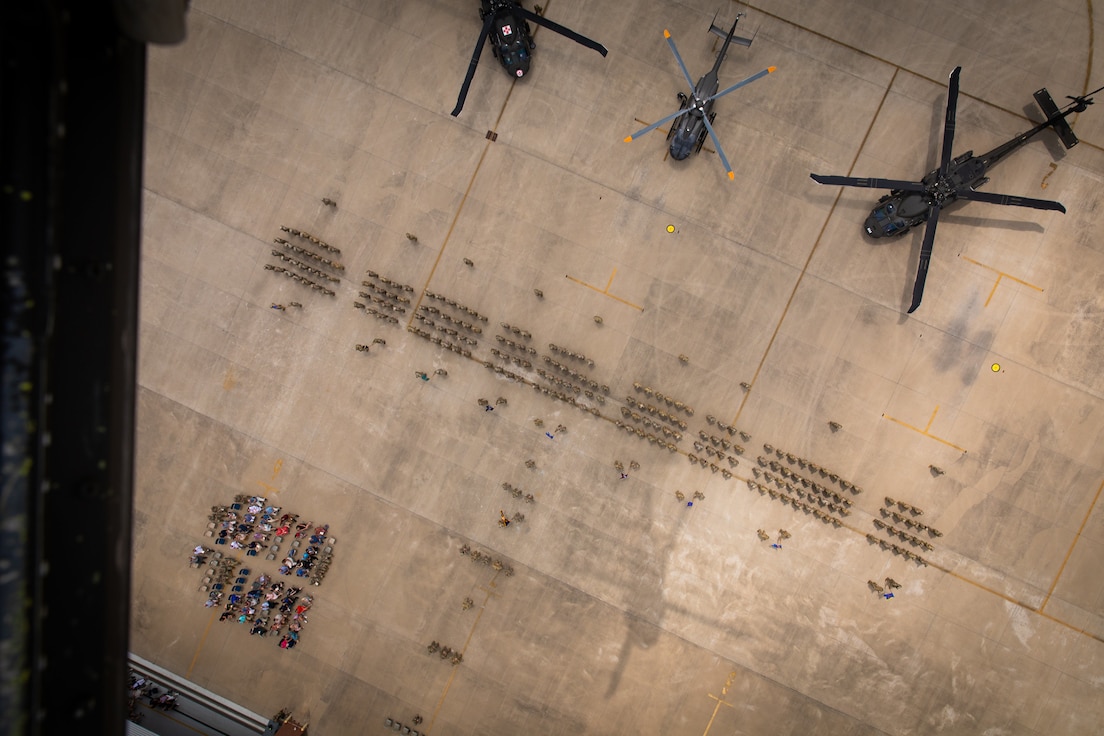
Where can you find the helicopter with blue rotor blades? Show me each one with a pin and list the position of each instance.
(694, 119)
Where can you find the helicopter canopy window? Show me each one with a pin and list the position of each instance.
(516, 57)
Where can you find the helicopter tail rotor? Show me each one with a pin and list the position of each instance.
(1061, 127)
(1081, 102)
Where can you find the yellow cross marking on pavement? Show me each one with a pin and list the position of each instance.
(1000, 275)
(605, 291)
(720, 701)
(925, 431)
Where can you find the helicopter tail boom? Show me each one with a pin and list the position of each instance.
(1061, 127)
(723, 34)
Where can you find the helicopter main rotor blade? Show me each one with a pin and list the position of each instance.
(949, 125)
(720, 150)
(738, 85)
(562, 30)
(674, 50)
(474, 62)
(851, 181)
(1010, 199)
(925, 258)
(654, 125)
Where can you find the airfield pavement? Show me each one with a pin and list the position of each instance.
(764, 309)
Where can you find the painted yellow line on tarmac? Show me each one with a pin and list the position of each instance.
(925, 431)
(605, 291)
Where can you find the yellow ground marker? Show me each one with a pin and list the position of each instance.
(720, 701)
(993, 591)
(812, 251)
(925, 431)
(605, 291)
(1073, 544)
(448, 685)
(1000, 275)
(275, 472)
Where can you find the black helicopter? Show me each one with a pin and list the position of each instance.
(696, 115)
(911, 203)
(507, 23)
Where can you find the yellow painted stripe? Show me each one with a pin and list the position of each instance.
(925, 433)
(202, 641)
(605, 291)
(812, 252)
(452, 675)
(1073, 544)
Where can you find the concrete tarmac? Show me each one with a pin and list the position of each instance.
(741, 339)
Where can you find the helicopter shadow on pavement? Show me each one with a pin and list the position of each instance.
(917, 239)
(644, 618)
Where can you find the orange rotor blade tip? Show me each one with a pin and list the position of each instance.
(666, 33)
(628, 139)
(731, 175)
(771, 69)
